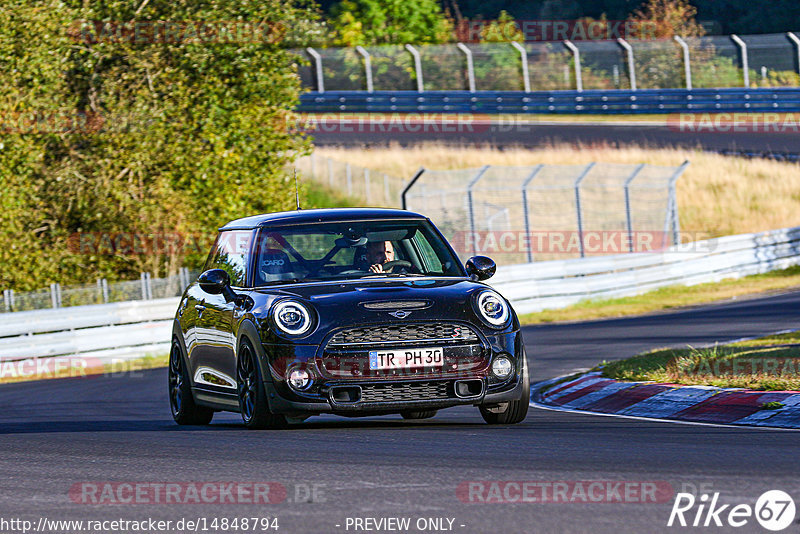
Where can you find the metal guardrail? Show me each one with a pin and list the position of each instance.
(101, 332)
(558, 284)
(133, 329)
(650, 101)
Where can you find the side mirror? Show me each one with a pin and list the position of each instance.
(215, 282)
(481, 267)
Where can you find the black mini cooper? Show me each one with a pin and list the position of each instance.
(353, 312)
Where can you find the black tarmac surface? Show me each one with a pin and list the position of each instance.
(59, 433)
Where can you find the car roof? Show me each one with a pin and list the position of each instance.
(319, 215)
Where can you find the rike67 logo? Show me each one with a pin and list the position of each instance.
(774, 510)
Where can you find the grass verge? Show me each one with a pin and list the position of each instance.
(717, 195)
(670, 298)
(767, 364)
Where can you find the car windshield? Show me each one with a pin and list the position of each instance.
(350, 250)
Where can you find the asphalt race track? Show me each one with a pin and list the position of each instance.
(533, 134)
(59, 433)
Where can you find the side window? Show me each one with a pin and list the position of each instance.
(231, 253)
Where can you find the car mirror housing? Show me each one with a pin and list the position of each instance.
(481, 267)
(215, 282)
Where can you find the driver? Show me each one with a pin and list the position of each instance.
(379, 253)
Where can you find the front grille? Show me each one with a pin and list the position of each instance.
(409, 391)
(396, 304)
(438, 332)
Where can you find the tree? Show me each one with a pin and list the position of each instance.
(156, 135)
(670, 17)
(374, 22)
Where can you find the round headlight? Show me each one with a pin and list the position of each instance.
(493, 308)
(292, 317)
(299, 379)
(502, 367)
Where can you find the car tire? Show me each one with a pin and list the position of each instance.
(516, 411)
(181, 401)
(251, 393)
(421, 414)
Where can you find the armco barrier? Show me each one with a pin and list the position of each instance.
(557, 284)
(589, 102)
(102, 332)
(133, 329)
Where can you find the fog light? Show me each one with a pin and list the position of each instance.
(502, 367)
(299, 379)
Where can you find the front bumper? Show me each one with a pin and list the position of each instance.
(365, 395)
(279, 404)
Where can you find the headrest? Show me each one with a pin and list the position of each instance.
(273, 261)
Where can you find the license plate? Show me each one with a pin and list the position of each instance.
(406, 358)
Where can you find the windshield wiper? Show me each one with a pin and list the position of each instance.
(289, 281)
(392, 275)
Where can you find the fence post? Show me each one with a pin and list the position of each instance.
(527, 181)
(470, 203)
(417, 67)
(526, 83)
(366, 184)
(470, 66)
(54, 295)
(143, 280)
(318, 64)
(349, 173)
(745, 61)
(577, 186)
(687, 65)
(628, 217)
(7, 299)
(676, 225)
(367, 66)
(105, 291)
(330, 173)
(100, 289)
(631, 62)
(576, 53)
(410, 184)
(796, 40)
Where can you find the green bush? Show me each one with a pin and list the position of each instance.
(137, 135)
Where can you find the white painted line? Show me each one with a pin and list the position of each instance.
(769, 417)
(535, 404)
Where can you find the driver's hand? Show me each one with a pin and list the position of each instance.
(377, 268)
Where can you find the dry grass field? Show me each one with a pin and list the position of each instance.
(718, 195)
